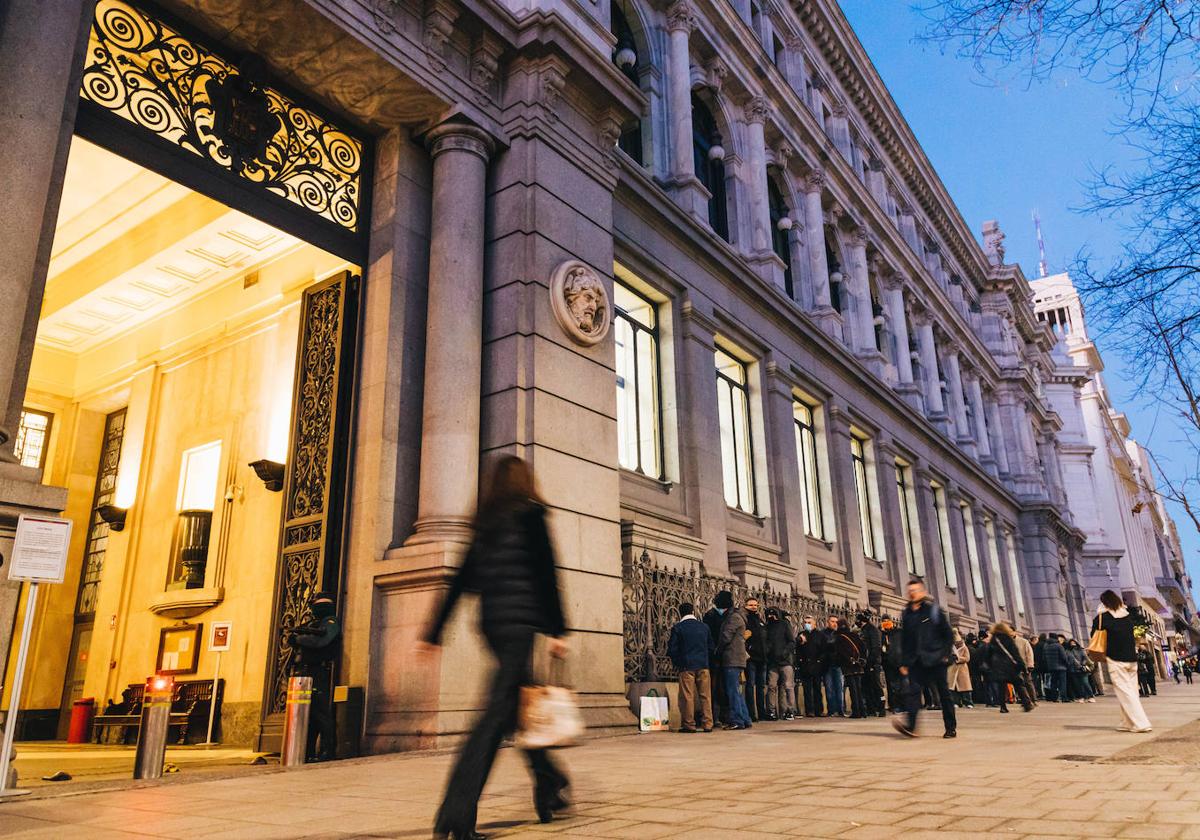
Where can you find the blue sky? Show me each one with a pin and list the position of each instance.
(1004, 148)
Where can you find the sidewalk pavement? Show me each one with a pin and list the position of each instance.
(1060, 771)
(101, 762)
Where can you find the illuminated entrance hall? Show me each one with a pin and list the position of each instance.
(163, 368)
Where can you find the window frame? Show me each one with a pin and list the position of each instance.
(655, 337)
(742, 389)
(945, 538)
(22, 437)
(862, 492)
(989, 530)
(810, 490)
(916, 561)
(971, 539)
(1014, 571)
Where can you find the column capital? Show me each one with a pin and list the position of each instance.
(757, 110)
(814, 181)
(461, 137)
(681, 17)
(893, 282)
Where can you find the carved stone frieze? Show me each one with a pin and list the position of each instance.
(485, 61)
(580, 302)
(440, 16)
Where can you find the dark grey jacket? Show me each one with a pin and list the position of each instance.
(731, 646)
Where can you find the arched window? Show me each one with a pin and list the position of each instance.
(709, 159)
(779, 234)
(629, 62)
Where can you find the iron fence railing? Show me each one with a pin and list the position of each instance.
(651, 596)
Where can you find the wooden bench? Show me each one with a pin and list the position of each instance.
(190, 703)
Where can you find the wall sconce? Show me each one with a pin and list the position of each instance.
(114, 516)
(626, 55)
(784, 223)
(270, 472)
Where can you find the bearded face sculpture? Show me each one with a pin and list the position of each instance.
(580, 302)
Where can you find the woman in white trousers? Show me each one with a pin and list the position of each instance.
(1116, 621)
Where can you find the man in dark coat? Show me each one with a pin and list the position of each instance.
(781, 642)
(756, 665)
(713, 619)
(891, 665)
(731, 652)
(690, 647)
(926, 638)
(1056, 663)
(810, 657)
(873, 686)
(315, 645)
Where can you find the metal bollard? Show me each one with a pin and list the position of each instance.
(295, 722)
(152, 734)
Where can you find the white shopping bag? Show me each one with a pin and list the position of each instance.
(656, 714)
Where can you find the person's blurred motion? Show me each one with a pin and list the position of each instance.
(510, 563)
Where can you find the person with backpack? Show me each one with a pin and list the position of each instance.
(926, 639)
(850, 655)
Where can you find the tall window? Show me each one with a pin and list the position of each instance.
(639, 421)
(810, 474)
(97, 534)
(916, 561)
(33, 438)
(710, 166)
(968, 523)
(630, 141)
(865, 501)
(733, 403)
(1013, 574)
(779, 235)
(945, 543)
(989, 529)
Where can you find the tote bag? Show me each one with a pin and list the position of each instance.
(1097, 649)
(656, 713)
(548, 714)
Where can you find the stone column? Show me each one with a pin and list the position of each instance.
(41, 52)
(42, 43)
(954, 380)
(839, 129)
(864, 320)
(927, 524)
(802, 291)
(689, 192)
(999, 447)
(766, 261)
(454, 335)
(757, 111)
(958, 538)
(891, 543)
(975, 394)
(876, 181)
(818, 267)
(893, 293)
(927, 346)
(784, 475)
(908, 229)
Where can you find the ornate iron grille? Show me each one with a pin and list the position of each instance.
(97, 535)
(651, 596)
(145, 72)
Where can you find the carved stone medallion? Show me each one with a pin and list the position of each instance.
(580, 302)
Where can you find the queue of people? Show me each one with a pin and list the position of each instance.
(740, 665)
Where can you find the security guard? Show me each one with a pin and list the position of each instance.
(316, 644)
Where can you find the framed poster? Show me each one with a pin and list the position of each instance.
(40, 551)
(218, 639)
(179, 649)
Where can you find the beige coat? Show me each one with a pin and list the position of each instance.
(1026, 651)
(958, 675)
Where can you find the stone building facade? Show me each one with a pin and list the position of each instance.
(687, 258)
(1132, 543)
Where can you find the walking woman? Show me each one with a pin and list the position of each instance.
(1005, 667)
(958, 676)
(1115, 620)
(510, 563)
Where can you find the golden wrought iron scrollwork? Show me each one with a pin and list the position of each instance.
(146, 72)
(308, 546)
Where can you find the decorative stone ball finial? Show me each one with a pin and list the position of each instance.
(580, 302)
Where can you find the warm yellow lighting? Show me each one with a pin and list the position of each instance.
(198, 475)
(279, 392)
(126, 485)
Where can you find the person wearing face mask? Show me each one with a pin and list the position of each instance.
(315, 645)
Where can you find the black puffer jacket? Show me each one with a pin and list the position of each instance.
(756, 645)
(872, 637)
(780, 642)
(511, 565)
